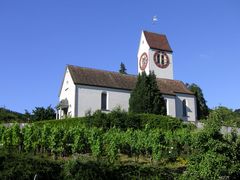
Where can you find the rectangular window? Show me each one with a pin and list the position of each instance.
(166, 106)
(104, 101)
(184, 107)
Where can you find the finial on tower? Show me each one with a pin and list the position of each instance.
(154, 19)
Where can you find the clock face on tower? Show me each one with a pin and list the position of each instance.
(143, 61)
(161, 59)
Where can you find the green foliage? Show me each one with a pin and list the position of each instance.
(99, 119)
(7, 115)
(146, 97)
(111, 141)
(56, 141)
(63, 139)
(237, 111)
(21, 166)
(202, 108)
(76, 169)
(122, 69)
(227, 117)
(41, 113)
(2, 129)
(213, 156)
(16, 135)
(95, 140)
(207, 153)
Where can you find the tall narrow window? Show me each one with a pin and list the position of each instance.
(104, 101)
(184, 108)
(166, 106)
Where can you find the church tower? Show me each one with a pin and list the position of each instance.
(155, 54)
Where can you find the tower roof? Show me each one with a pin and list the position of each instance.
(157, 41)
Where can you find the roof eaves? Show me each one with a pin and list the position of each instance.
(85, 84)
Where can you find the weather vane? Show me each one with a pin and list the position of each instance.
(154, 19)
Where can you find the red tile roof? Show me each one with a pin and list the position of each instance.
(157, 41)
(100, 78)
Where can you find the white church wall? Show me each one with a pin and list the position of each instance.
(191, 107)
(68, 92)
(89, 98)
(143, 48)
(170, 105)
(161, 72)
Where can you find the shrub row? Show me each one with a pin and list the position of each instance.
(122, 120)
(18, 166)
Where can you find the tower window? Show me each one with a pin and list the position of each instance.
(161, 59)
(104, 101)
(184, 108)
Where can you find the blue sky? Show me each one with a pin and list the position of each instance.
(38, 39)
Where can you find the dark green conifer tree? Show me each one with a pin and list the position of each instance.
(122, 69)
(202, 108)
(146, 97)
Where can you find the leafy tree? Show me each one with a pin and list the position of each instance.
(27, 115)
(146, 97)
(41, 113)
(214, 156)
(237, 111)
(228, 117)
(122, 69)
(202, 108)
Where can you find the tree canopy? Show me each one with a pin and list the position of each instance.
(123, 69)
(41, 113)
(237, 111)
(202, 108)
(214, 155)
(146, 97)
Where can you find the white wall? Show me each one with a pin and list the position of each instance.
(143, 48)
(171, 105)
(89, 98)
(191, 107)
(68, 91)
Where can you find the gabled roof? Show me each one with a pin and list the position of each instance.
(100, 78)
(157, 41)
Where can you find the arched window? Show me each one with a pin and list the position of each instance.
(184, 108)
(104, 101)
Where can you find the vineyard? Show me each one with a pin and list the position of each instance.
(118, 138)
(62, 141)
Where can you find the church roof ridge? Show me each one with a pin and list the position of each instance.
(101, 70)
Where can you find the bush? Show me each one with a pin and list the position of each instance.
(213, 155)
(15, 166)
(77, 169)
(120, 119)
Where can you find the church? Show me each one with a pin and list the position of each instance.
(87, 89)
